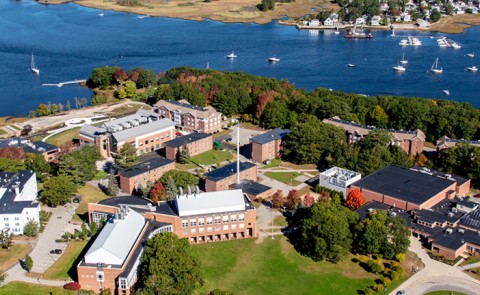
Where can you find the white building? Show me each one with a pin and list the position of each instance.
(360, 21)
(328, 22)
(338, 179)
(314, 23)
(376, 20)
(18, 200)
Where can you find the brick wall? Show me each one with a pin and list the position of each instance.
(224, 184)
(128, 184)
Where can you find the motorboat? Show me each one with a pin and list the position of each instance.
(435, 69)
(404, 42)
(455, 45)
(472, 69)
(33, 67)
(273, 59)
(446, 91)
(350, 65)
(442, 42)
(472, 55)
(231, 55)
(416, 42)
(399, 68)
(404, 61)
(101, 14)
(143, 16)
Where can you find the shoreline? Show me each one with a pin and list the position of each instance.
(244, 11)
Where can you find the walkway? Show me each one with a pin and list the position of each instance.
(437, 276)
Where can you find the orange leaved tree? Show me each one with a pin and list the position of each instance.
(354, 199)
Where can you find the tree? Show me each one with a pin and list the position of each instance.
(266, 5)
(9, 165)
(102, 77)
(277, 199)
(146, 78)
(398, 235)
(170, 188)
(276, 115)
(184, 154)
(79, 165)
(324, 232)
(147, 189)
(293, 199)
(119, 76)
(42, 110)
(37, 163)
(83, 231)
(112, 188)
(68, 105)
(158, 193)
(180, 178)
(57, 190)
(355, 199)
(167, 267)
(220, 292)
(12, 153)
(31, 229)
(93, 228)
(435, 16)
(308, 200)
(54, 109)
(6, 239)
(130, 88)
(28, 262)
(60, 107)
(84, 101)
(378, 117)
(127, 156)
(122, 94)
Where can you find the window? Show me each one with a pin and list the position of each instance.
(217, 219)
(234, 226)
(225, 227)
(209, 229)
(17, 218)
(185, 232)
(241, 225)
(193, 230)
(233, 218)
(241, 217)
(7, 224)
(225, 218)
(201, 221)
(217, 228)
(201, 230)
(5, 219)
(184, 223)
(17, 224)
(193, 222)
(146, 141)
(100, 276)
(123, 284)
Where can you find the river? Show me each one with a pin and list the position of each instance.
(69, 40)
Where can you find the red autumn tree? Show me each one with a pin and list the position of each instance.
(158, 193)
(263, 99)
(277, 199)
(354, 199)
(293, 199)
(12, 153)
(120, 76)
(308, 200)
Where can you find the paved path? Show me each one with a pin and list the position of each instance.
(437, 276)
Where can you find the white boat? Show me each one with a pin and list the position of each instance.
(273, 59)
(472, 69)
(471, 55)
(101, 14)
(442, 42)
(404, 61)
(404, 42)
(208, 66)
(231, 55)
(144, 16)
(455, 45)
(416, 42)
(446, 91)
(351, 65)
(33, 67)
(399, 68)
(393, 33)
(435, 69)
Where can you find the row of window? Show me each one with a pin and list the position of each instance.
(8, 224)
(210, 229)
(210, 220)
(6, 218)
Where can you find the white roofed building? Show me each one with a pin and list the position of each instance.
(338, 179)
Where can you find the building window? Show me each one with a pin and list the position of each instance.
(225, 219)
(209, 229)
(184, 223)
(100, 277)
(123, 284)
(217, 228)
(17, 224)
(201, 221)
(241, 217)
(234, 226)
(233, 218)
(225, 227)
(217, 219)
(193, 223)
(7, 224)
(17, 218)
(5, 219)
(241, 225)
(193, 230)
(201, 230)
(185, 232)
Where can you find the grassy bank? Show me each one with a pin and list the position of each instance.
(60, 269)
(18, 288)
(64, 137)
(10, 257)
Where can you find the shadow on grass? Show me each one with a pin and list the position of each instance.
(72, 272)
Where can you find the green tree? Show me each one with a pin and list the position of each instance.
(171, 189)
(112, 188)
(147, 189)
(3, 276)
(83, 231)
(276, 115)
(98, 99)
(54, 109)
(378, 117)
(398, 235)
(6, 239)
(28, 263)
(158, 275)
(57, 190)
(147, 78)
(122, 94)
(373, 233)
(79, 165)
(325, 231)
(102, 77)
(42, 110)
(184, 154)
(10, 165)
(435, 16)
(130, 88)
(164, 91)
(37, 163)
(220, 292)
(93, 228)
(127, 156)
(180, 178)
(31, 229)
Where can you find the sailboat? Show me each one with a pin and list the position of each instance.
(33, 67)
(231, 55)
(399, 68)
(404, 61)
(435, 69)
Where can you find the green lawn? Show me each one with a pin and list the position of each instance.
(285, 177)
(100, 175)
(445, 293)
(471, 259)
(60, 269)
(273, 163)
(279, 221)
(89, 194)
(212, 157)
(64, 137)
(18, 288)
(10, 257)
(221, 133)
(274, 267)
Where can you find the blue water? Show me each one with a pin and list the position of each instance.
(70, 40)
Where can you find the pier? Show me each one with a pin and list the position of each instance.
(61, 84)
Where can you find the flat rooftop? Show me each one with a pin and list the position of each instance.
(227, 171)
(251, 187)
(456, 239)
(211, 202)
(404, 184)
(459, 179)
(144, 167)
(186, 139)
(28, 146)
(271, 135)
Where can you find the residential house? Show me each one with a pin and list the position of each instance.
(328, 22)
(376, 20)
(314, 23)
(360, 21)
(190, 117)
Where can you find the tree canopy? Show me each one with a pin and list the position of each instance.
(57, 190)
(181, 178)
(167, 267)
(127, 156)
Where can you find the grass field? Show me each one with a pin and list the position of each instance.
(274, 267)
(285, 177)
(59, 270)
(11, 257)
(64, 137)
(100, 175)
(18, 288)
(445, 293)
(273, 163)
(212, 157)
(279, 221)
(471, 259)
(89, 194)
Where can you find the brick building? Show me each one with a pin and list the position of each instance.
(196, 142)
(48, 151)
(268, 145)
(409, 141)
(190, 117)
(140, 174)
(221, 178)
(445, 142)
(145, 130)
(408, 189)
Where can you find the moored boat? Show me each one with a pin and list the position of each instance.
(231, 55)
(33, 67)
(273, 59)
(404, 61)
(446, 91)
(472, 69)
(435, 69)
(399, 68)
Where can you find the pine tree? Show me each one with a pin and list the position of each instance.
(68, 106)
(112, 188)
(127, 156)
(171, 189)
(93, 228)
(28, 263)
(184, 156)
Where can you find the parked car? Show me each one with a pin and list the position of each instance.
(228, 139)
(56, 251)
(402, 292)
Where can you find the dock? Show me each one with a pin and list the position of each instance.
(61, 84)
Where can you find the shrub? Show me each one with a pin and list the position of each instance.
(378, 256)
(373, 266)
(400, 257)
(362, 259)
(394, 264)
(369, 291)
(378, 288)
(73, 286)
